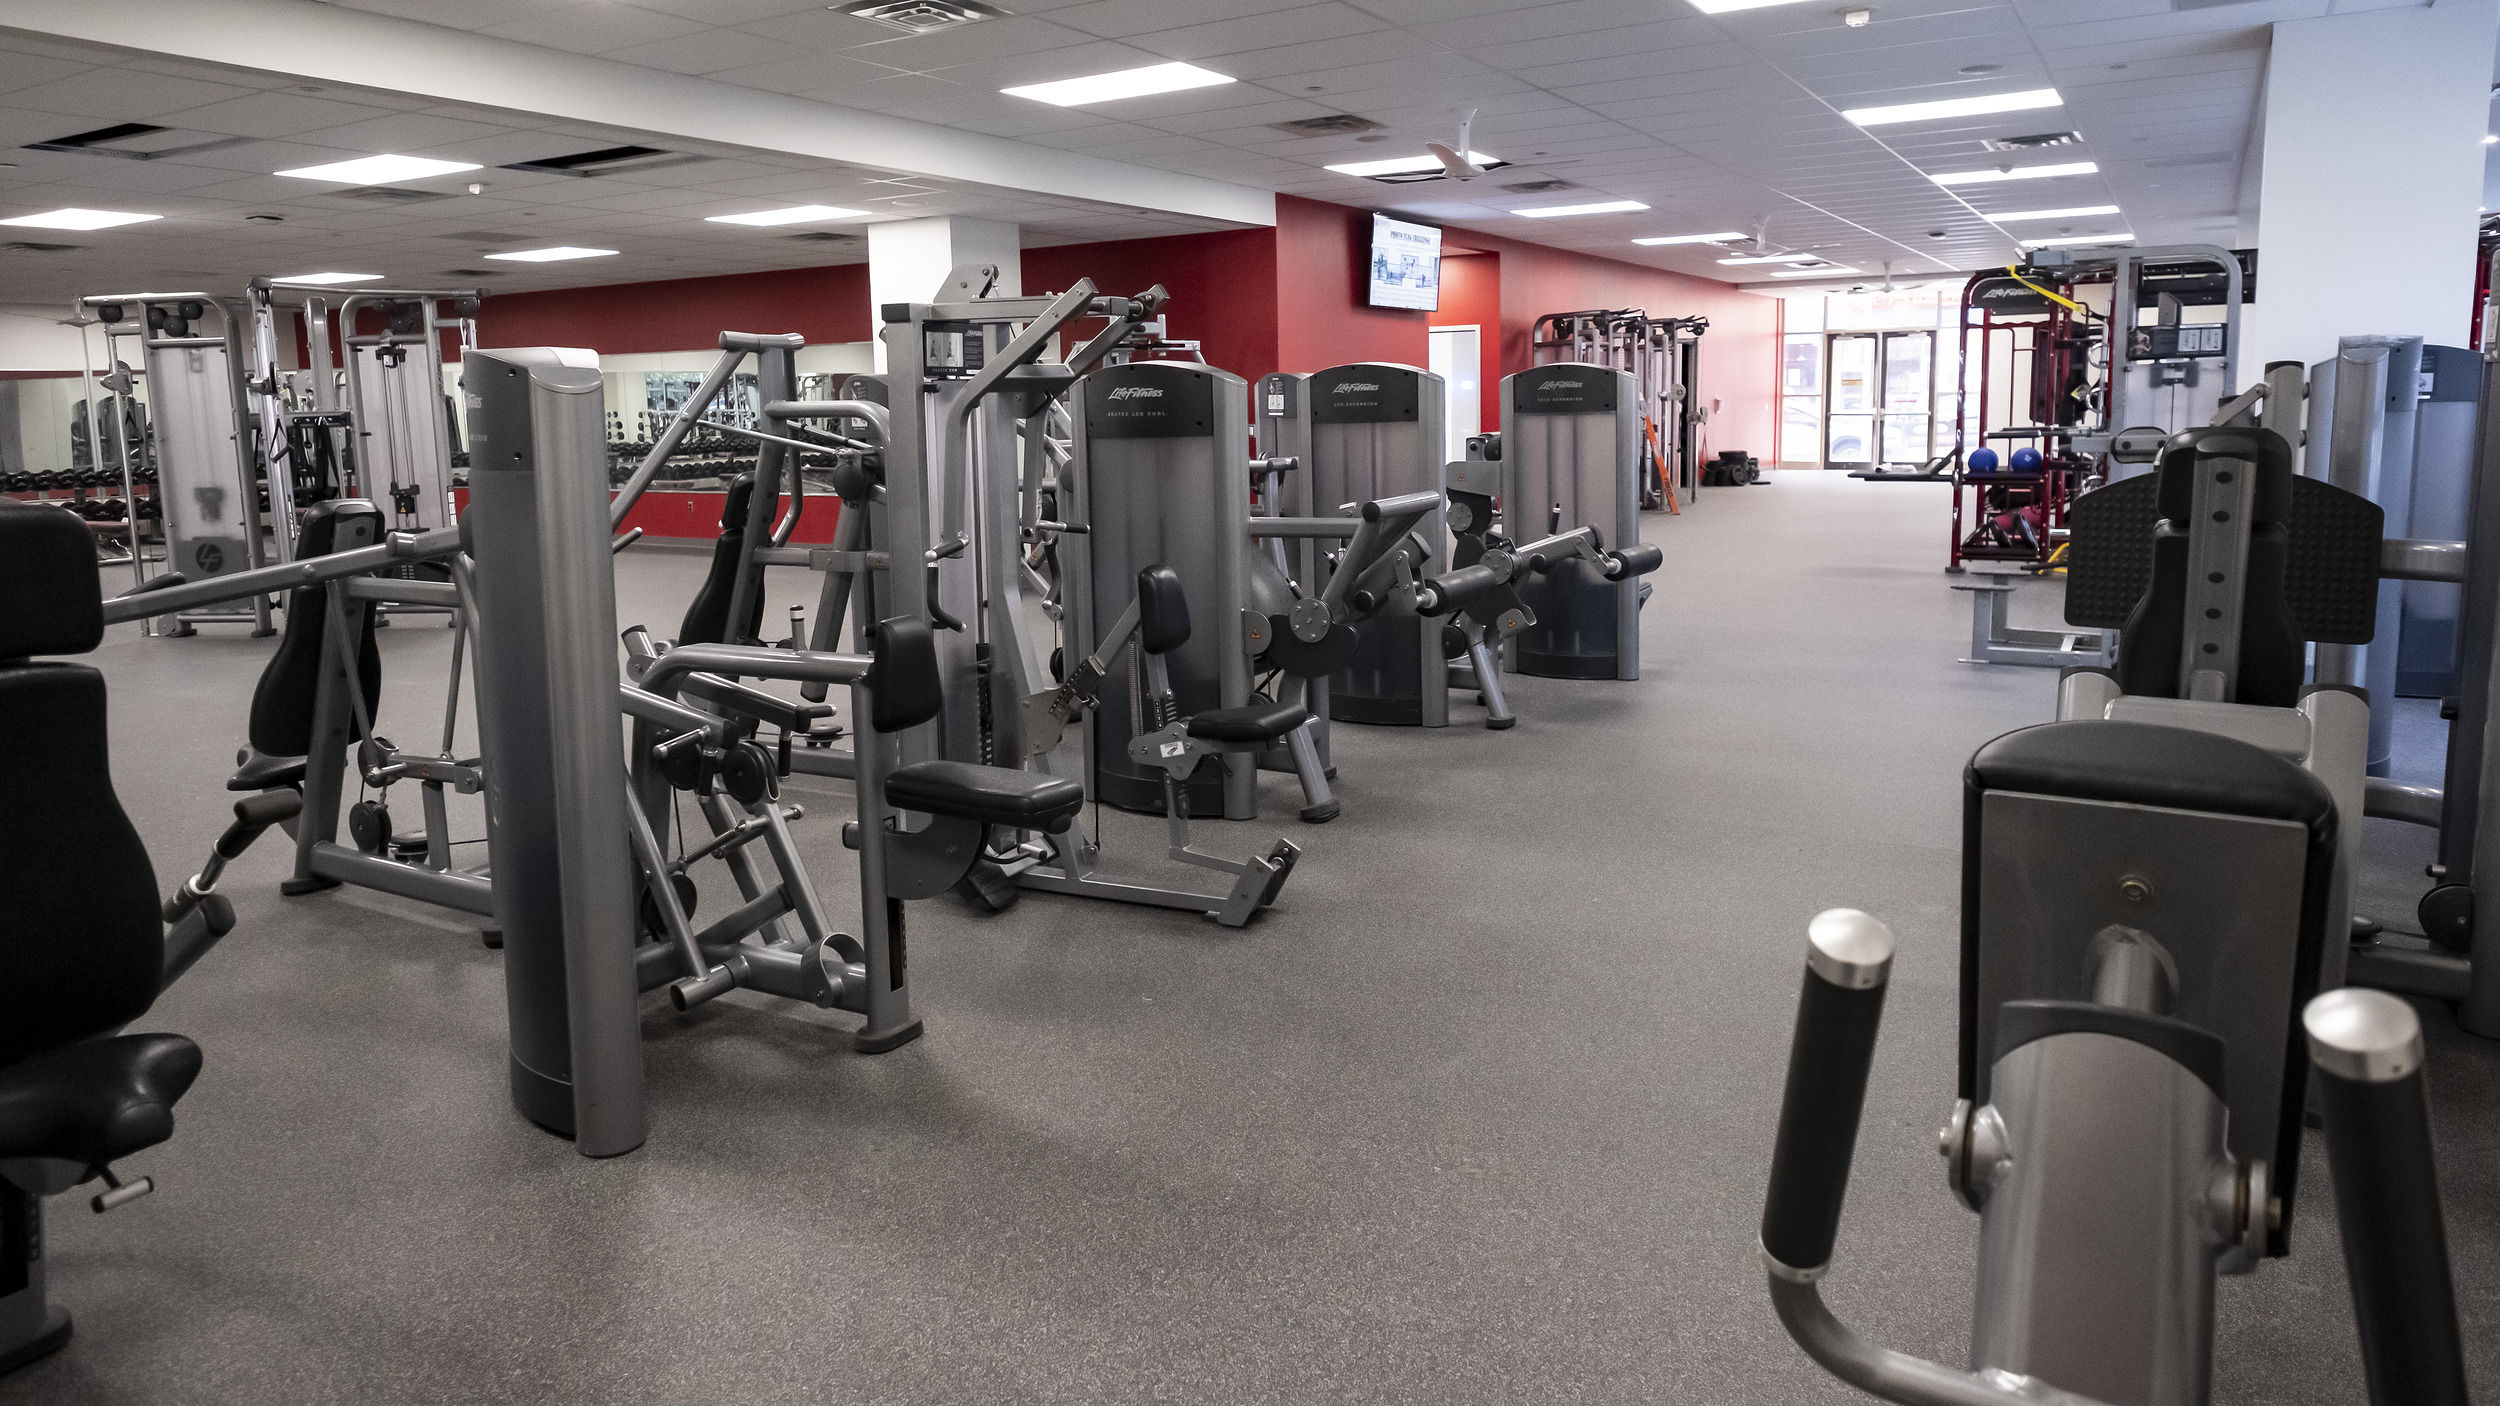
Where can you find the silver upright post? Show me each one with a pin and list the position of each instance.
(546, 693)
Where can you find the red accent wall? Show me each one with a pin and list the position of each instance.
(1323, 253)
(680, 314)
(1739, 354)
(1471, 296)
(1223, 288)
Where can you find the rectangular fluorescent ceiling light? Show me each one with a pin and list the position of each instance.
(1602, 207)
(1723, 237)
(2072, 212)
(1126, 83)
(1772, 259)
(2019, 173)
(1954, 107)
(1729, 7)
(1400, 165)
(327, 278)
(379, 170)
(794, 215)
(1834, 272)
(549, 256)
(75, 218)
(2079, 239)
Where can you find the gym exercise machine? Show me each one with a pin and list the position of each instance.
(1664, 356)
(207, 489)
(2218, 570)
(2101, 1143)
(1355, 433)
(1570, 454)
(568, 865)
(377, 424)
(2408, 426)
(974, 469)
(89, 947)
(2079, 379)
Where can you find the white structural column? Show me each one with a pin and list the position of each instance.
(909, 259)
(2373, 171)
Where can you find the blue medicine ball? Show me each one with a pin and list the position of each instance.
(1983, 460)
(2026, 458)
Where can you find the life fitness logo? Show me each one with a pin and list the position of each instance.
(1351, 387)
(1136, 392)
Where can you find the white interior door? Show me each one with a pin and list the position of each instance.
(1457, 358)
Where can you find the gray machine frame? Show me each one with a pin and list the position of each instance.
(207, 485)
(1571, 445)
(1361, 432)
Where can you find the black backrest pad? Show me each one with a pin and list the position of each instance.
(707, 615)
(51, 600)
(282, 702)
(81, 946)
(904, 679)
(1162, 610)
(2330, 575)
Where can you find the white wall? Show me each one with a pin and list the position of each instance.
(33, 339)
(2373, 169)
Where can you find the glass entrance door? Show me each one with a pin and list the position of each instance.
(1849, 430)
(1909, 360)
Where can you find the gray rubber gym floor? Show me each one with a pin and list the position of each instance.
(1480, 1113)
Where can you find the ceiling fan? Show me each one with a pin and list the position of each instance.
(1456, 162)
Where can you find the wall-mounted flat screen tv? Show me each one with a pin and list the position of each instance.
(1406, 265)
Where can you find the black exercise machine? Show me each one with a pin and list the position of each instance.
(86, 949)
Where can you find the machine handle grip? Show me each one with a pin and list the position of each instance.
(2367, 1046)
(255, 815)
(1452, 592)
(1639, 560)
(1848, 963)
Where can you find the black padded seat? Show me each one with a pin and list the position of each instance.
(1251, 722)
(96, 1101)
(262, 773)
(993, 795)
(2147, 764)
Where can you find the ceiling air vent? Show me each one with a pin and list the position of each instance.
(28, 246)
(483, 236)
(1541, 187)
(827, 236)
(473, 273)
(606, 161)
(1328, 126)
(2033, 142)
(920, 16)
(137, 141)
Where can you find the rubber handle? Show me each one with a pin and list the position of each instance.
(2367, 1047)
(1637, 560)
(1849, 963)
(1454, 591)
(255, 815)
